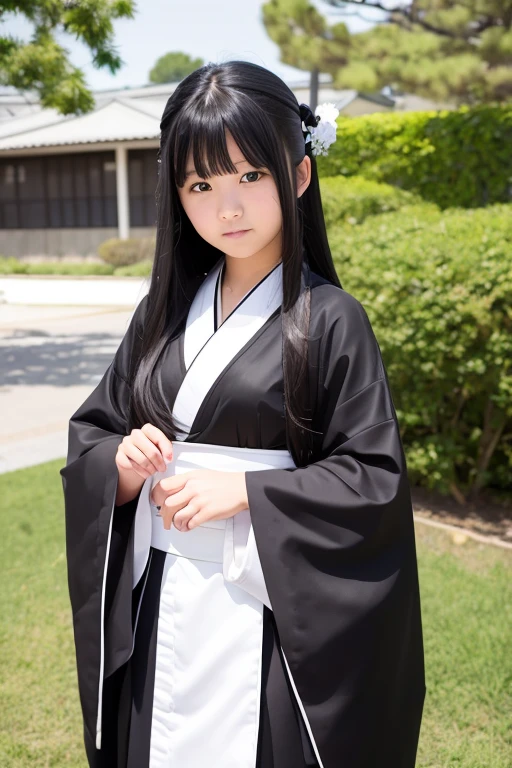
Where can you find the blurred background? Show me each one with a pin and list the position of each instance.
(417, 197)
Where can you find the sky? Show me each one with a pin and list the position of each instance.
(214, 30)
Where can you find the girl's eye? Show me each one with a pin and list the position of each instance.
(255, 173)
(249, 173)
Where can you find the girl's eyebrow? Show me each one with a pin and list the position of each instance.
(192, 171)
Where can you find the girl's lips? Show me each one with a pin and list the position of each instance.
(237, 234)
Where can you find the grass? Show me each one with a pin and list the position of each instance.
(466, 594)
(40, 723)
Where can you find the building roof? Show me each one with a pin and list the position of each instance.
(14, 103)
(116, 120)
(378, 98)
(29, 121)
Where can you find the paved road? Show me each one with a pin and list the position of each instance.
(51, 358)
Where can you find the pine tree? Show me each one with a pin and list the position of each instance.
(440, 49)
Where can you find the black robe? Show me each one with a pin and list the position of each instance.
(335, 538)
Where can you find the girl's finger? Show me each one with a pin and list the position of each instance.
(139, 470)
(157, 495)
(175, 502)
(152, 497)
(167, 517)
(148, 448)
(157, 436)
(183, 516)
(123, 462)
(197, 519)
(170, 506)
(122, 459)
(134, 453)
(175, 483)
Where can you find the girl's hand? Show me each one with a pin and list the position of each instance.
(143, 451)
(192, 498)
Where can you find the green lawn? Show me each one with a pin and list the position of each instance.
(467, 615)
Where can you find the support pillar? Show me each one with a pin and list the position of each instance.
(123, 200)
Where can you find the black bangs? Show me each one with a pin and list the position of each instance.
(203, 127)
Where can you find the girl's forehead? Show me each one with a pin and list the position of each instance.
(237, 158)
(232, 147)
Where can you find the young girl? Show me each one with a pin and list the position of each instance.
(240, 539)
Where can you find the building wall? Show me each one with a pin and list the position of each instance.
(75, 190)
(60, 242)
(66, 204)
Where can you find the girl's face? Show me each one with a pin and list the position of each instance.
(246, 200)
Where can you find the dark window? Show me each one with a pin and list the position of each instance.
(64, 190)
(142, 180)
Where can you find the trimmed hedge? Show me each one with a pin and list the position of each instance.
(437, 287)
(130, 257)
(141, 269)
(9, 265)
(353, 200)
(124, 253)
(452, 158)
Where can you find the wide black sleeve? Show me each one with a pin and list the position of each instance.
(98, 533)
(337, 549)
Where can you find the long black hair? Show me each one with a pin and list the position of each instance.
(265, 120)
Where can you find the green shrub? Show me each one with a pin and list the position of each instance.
(12, 266)
(438, 290)
(452, 158)
(141, 269)
(354, 199)
(50, 268)
(123, 253)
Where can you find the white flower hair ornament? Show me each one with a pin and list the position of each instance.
(320, 127)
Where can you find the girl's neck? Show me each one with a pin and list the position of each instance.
(240, 275)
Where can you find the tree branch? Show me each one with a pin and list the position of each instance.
(405, 15)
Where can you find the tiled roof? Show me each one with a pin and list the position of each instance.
(29, 121)
(115, 120)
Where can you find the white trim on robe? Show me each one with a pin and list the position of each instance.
(102, 624)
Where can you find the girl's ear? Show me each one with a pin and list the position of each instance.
(303, 171)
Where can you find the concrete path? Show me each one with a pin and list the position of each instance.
(51, 358)
(79, 291)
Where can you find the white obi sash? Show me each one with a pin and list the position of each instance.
(230, 541)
